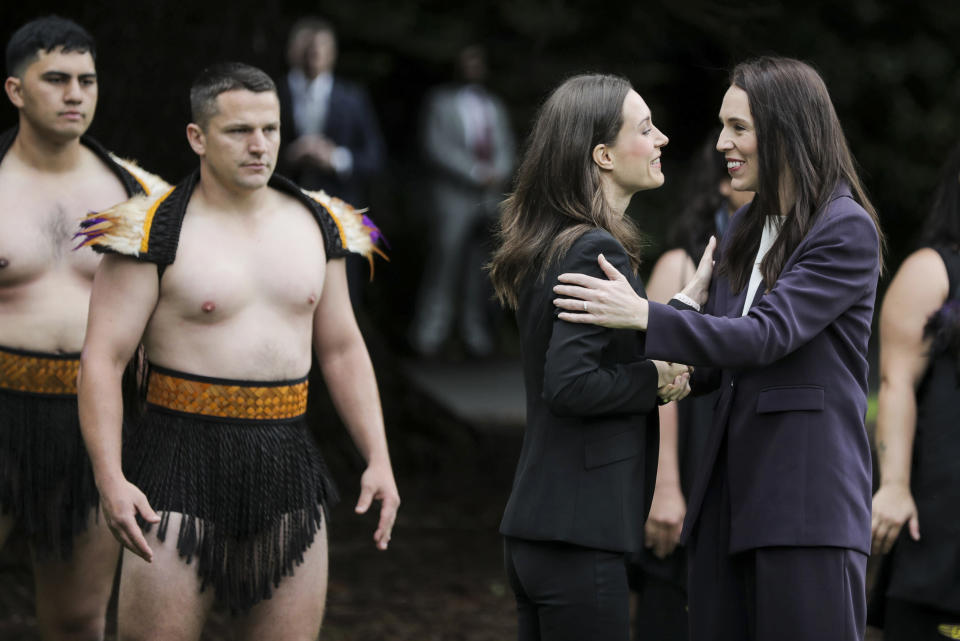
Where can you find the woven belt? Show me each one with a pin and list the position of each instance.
(38, 373)
(227, 399)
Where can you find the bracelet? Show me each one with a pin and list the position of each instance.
(686, 300)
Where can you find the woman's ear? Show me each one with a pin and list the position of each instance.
(602, 157)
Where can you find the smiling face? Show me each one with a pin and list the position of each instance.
(56, 94)
(635, 153)
(239, 143)
(738, 141)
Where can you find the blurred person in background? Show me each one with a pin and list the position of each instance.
(330, 138)
(469, 147)
(915, 517)
(51, 176)
(658, 574)
(585, 475)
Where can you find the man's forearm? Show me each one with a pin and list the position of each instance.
(353, 388)
(101, 417)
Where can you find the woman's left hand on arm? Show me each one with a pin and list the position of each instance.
(609, 303)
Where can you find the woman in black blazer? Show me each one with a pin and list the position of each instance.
(585, 476)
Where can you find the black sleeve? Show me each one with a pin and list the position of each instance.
(576, 382)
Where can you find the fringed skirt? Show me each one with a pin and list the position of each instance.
(46, 482)
(236, 459)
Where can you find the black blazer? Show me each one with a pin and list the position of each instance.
(589, 458)
(352, 123)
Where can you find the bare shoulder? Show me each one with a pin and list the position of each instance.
(921, 280)
(670, 273)
(674, 262)
(287, 204)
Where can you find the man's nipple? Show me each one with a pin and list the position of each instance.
(208, 306)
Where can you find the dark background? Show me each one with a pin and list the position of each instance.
(890, 65)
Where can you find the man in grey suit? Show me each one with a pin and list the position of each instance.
(469, 146)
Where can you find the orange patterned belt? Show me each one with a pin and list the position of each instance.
(226, 399)
(37, 373)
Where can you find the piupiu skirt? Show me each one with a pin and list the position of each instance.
(237, 460)
(46, 482)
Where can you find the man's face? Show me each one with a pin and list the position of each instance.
(239, 144)
(57, 93)
(320, 54)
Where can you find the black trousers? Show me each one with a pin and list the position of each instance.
(566, 592)
(802, 593)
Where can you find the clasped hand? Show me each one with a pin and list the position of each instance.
(673, 381)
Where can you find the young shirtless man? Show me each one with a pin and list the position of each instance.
(51, 175)
(229, 281)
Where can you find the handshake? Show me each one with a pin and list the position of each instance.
(673, 381)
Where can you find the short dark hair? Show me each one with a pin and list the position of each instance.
(221, 77)
(46, 34)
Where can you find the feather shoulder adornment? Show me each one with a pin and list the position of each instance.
(151, 183)
(125, 227)
(358, 233)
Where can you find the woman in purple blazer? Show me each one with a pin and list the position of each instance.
(778, 518)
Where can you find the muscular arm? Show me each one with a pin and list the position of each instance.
(919, 288)
(349, 376)
(123, 298)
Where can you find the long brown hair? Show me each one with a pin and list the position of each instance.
(557, 196)
(796, 127)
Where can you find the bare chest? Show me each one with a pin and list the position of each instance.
(274, 267)
(38, 218)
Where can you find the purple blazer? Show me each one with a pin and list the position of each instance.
(793, 381)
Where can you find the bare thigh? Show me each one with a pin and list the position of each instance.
(295, 611)
(72, 596)
(161, 601)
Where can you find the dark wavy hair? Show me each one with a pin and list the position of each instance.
(796, 127)
(557, 195)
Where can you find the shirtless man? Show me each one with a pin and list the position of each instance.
(221, 466)
(51, 175)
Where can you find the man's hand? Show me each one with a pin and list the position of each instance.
(699, 286)
(893, 506)
(608, 303)
(377, 483)
(311, 148)
(662, 529)
(121, 502)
